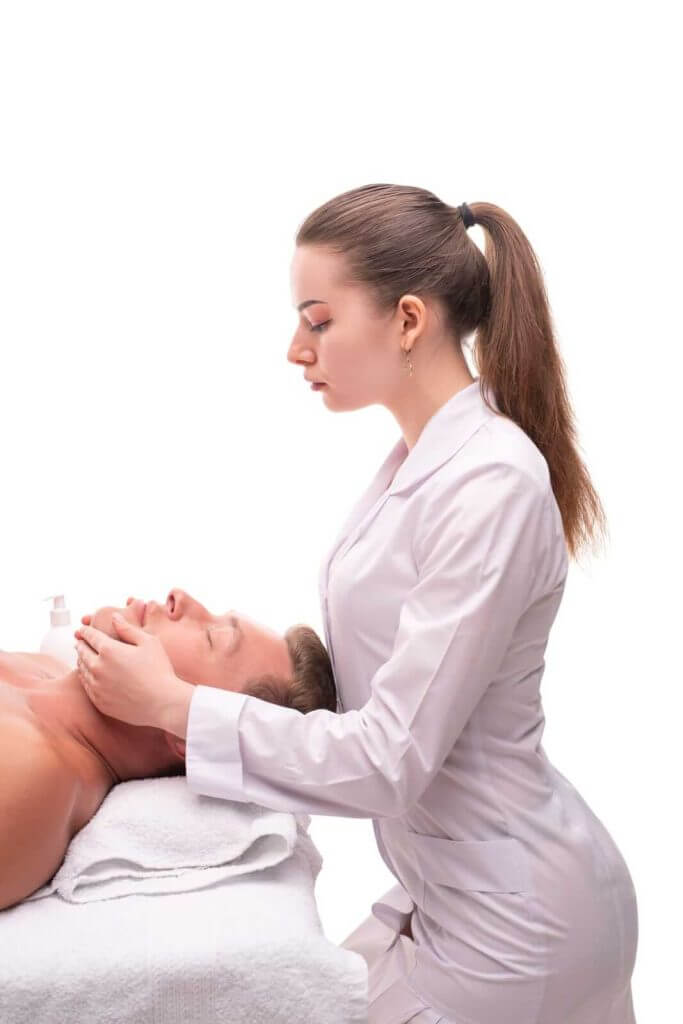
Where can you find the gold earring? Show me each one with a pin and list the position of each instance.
(410, 365)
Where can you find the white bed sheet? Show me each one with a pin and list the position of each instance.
(248, 949)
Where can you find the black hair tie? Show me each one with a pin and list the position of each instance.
(467, 215)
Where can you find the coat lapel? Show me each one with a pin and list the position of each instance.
(442, 436)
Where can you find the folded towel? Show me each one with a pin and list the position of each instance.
(157, 836)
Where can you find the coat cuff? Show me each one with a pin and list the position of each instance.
(213, 764)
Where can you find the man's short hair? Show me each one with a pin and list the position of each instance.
(310, 686)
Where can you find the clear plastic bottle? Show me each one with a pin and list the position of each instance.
(59, 640)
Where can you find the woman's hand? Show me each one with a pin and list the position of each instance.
(87, 619)
(134, 680)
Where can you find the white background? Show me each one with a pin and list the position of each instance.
(156, 161)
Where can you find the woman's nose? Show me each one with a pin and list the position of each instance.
(298, 354)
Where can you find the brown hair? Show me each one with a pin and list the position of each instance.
(397, 239)
(310, 686)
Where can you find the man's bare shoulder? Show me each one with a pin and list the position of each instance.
(31, 760)
(21, 668)
(39, 792)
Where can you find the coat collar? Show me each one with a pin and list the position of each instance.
(441, 437)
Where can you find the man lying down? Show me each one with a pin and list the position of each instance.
(60, 756)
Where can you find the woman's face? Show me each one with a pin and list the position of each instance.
(341, 339)
(224, 651)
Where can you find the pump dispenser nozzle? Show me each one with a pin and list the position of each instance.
(58, 642)
(60, 614)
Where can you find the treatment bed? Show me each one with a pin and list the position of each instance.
(121, 935)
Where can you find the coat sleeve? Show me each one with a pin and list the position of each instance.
(478, 545)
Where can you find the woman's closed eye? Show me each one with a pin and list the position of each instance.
(319, 327)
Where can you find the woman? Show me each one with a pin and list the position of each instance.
(438, 596)
(60, 756)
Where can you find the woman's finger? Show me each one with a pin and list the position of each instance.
(84, 676)
(86, 619)
(85, 672)
(85, 655)
(95, 638)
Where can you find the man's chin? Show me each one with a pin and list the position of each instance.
(102, 620)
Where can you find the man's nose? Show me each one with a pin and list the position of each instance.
(176, 603)
(179, 603)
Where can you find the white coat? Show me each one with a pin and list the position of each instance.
(438, 596)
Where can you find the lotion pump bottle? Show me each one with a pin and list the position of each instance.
(59, 639)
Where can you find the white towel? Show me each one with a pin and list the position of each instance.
(157, 836)
(248, 949)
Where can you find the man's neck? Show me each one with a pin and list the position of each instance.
(125, 751)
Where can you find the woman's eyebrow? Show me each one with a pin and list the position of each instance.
(309, 302)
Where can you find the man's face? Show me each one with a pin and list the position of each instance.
(224, 651)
